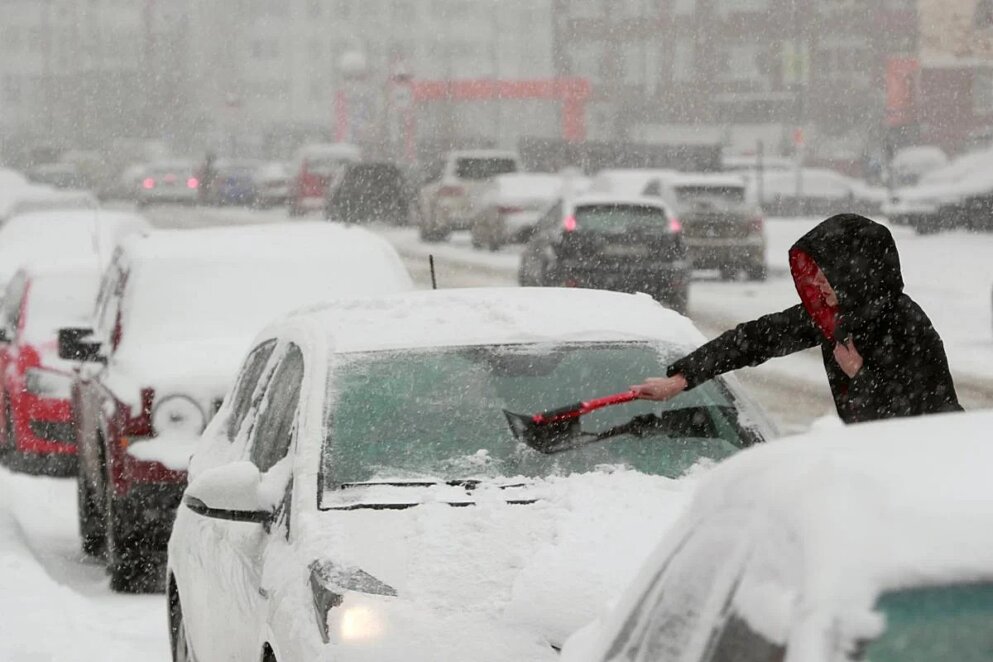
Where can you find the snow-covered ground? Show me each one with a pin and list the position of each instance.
(56, 604)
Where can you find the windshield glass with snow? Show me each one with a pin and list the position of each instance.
(438, 414)
(952, 622)
(482, 169)
(618, 219)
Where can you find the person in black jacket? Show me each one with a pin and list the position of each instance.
(883, 357)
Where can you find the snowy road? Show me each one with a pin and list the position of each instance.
(56, 604)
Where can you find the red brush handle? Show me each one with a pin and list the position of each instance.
(581, 408)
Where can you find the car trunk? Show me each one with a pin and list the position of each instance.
(714, 212)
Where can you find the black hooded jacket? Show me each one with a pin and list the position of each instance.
(904, 371)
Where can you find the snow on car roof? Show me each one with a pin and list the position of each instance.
(39, 197)
(702, 179)
(590, 199)
(330, 150)
(485, 154)
(876, 506)
(492, 316)
(59, 297)
(58, 236)
(626, 180)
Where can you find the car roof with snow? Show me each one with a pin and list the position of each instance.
(876, 506)
(493, 316)
(484, 154)
(677, 179)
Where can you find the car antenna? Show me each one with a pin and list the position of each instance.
(434, 281)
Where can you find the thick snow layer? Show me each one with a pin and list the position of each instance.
(451, 318)
(58, 299)
(36, 197)
(59, 238)
(626, 181)
(10, 179)
(170, 451)
(56, 606)
(538, 570)
(818, 183)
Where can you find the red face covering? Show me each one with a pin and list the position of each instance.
(804, 270)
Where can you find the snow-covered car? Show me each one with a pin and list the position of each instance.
(272, 185)
(175, 313)
(315, 169)
(511, 205)
(626, 181)
(369, 192)
(865, 543)
(911, 163)
(816, 192)
(360, 495)
(169, 182)
(17, 200)
(452, 201)
(612, 242)
(36, 411)
(722, 225)
(234, 182)
(62, 237)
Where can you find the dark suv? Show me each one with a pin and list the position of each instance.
(370, 192)
(610, 243)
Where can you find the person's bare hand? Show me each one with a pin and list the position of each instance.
(848, 358)
(661, 388)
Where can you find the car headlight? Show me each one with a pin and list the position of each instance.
(48, 384)
(178, 415)
(358, 620)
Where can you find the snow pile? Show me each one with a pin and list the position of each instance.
(10, 179)
(451, 318)
(35, 197)
(529, 573)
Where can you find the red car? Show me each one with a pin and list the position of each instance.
(315, 169)
(37, 432)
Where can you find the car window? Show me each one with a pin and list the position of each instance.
(619, 218)
(738, 642)
(273, 430)
(13, 298)
(108, 304)
(673, 616)
(245, 392)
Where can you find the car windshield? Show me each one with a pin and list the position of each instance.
(438, 414)
(483, 168)
(619, 218)
(952, 622)
(713, 194)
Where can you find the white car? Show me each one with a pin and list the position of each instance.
(16, 200)
(176, 311)
(511, 205)
(865, 543)
(627, 181)
(453, 199)
(60, 237)
(360, 496)
(169, 182)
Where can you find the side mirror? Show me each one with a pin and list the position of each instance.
(72, 347)
(230, 492)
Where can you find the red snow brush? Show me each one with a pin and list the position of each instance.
(553, 427)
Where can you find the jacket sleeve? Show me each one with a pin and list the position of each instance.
(749, 344)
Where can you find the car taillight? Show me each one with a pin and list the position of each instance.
(756, 224)
(675, 225)
(569, 224)
(450, 191)
(192, 182)
(148, 183)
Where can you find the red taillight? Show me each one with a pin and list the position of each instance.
(675, 225)
(148, 183)
(450, 191)
(192, 182)
(569, 224)
(756, 224)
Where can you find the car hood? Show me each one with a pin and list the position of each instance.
(542, 569)
(199, 369)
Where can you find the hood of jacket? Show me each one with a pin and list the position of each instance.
(859, 259)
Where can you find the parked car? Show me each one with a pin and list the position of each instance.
(17, 200)
(451, 202)
(511, 205)
(169, 182)
(175, 313)
(272, 185)
(864, 543)
(911, 163)
(626, 181)
(378, 522)
(315, 169)
(625, 243)
(817, 192)
(64, 237)
(372, 191)
(234, 182)
(36, 430)
(722, 226)
(59, 175)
